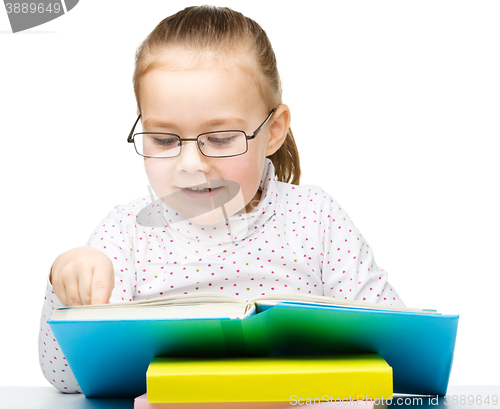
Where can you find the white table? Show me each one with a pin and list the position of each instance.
(47, 397)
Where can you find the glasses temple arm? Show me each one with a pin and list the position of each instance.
(130, 139)
(263, 124)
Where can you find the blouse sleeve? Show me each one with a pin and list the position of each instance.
(349, 270)
(52, 361)
(115, 237)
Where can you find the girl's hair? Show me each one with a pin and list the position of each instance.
(220, 31)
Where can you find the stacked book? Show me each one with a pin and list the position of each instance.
(266, 382)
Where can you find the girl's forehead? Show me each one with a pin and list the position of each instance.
(235, 65)
(207, 83)
(203, 84)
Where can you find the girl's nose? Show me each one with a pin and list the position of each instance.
(190, 157)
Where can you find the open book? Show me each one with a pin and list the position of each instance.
(207, 305)
(109, 347)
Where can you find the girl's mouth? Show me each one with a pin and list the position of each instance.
(200, 192)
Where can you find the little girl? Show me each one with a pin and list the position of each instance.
(228, 214)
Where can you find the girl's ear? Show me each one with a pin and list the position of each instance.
(279, 129)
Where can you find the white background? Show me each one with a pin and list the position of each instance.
(395, 109)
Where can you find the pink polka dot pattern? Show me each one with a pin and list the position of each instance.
(298, 239)
(52, 361)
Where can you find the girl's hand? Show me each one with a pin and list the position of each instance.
(82, 276)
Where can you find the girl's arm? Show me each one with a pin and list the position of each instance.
(349, 270)
(114, 236)
(52, 361)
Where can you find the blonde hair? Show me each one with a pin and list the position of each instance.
(221, 31)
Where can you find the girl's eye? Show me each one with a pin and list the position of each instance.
(165, 141)
(222, 139)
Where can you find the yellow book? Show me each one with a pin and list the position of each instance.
(268, 379)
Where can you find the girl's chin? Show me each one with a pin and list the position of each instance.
(212, 217)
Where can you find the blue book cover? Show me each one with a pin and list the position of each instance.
(110, 357)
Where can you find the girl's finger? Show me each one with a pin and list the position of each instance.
(60, 292)
(102, 283)
(73, 293)
(84, 286)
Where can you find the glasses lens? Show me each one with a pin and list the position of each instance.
(225, 143)
(157, 145)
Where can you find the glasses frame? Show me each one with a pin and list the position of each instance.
(131, 135)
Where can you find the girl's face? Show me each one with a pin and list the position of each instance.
(209, 97)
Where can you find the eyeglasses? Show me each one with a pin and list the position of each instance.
(217, 144)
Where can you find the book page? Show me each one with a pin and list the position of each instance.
(144, 312)
(273, 299)
(181, 299)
